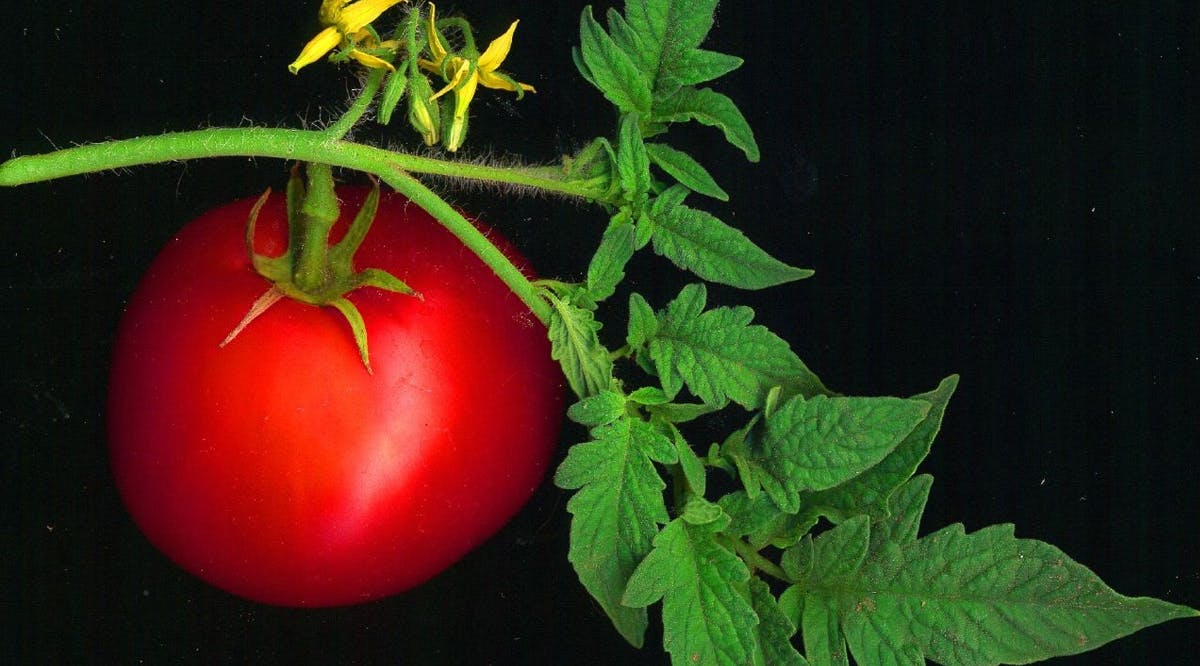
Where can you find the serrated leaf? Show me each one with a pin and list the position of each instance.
(659, 35)
(599, 409)
(690, 464)
(616, 512)
(711, 108)
(981, 598)
(820, 442)
(607, 267)
(610, 68)
(633, 163)
(761, 521)
(696, 241)
(699, 511)
(868, 492)
(905, 508)
(840, 550)
(682, 412)
(719, 355)
(775, 630)
(643, 325)
(707, 616)
(700, 66)
(685, 169)
(575, 344)
(650, 396)
(824, 643)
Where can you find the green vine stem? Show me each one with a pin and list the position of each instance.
(301, 145)
(360, 106)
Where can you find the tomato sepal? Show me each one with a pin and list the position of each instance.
(310, 270)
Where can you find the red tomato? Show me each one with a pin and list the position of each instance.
(276, 467)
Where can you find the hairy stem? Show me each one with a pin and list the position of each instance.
(393, 168)
(359, 107)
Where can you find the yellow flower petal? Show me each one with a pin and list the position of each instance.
(463, 96)
(462, 68)
(435, 44)
(371, 61)
(354, 16)
(498, 50)
(318, 46)
(490, 80)
(458, 125)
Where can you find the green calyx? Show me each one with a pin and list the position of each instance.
(311, 270)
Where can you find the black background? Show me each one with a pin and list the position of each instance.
(1005, 192)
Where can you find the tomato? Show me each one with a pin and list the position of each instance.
(277, 467)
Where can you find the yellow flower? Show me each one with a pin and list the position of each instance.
(346, 23)
(466, 74)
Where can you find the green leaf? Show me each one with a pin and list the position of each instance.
(689, 463)
(681, 412)
(700, 66)
(685, 169)
(699, 511)
(698, 242)
(659, 33)
(711, 108)
(616, 512)
(610, 69)
(607, 267)
(821, 442)
(981, 598)
(643, 325)
(649, 395)
(824, 642)
(905, 508)
(575, 344)
(600, 409)
(633, 163)
(839, 551)
(775, 630)
(719, 355)
(707, 616)
(868, 493)
(762, 522)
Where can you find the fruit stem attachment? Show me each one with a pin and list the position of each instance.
(310, 270)
(394, 168)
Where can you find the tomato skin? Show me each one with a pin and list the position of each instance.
(277, 467)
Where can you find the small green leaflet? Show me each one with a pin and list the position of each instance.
(775, 630)
(616, 511)
(709, 107)
(607, 267)
(685, 169)
(707, 615)
(659, 35)
(698, 242)
(609, 68)
(599, 409)
(962, 599)
(718, 354)
(633, 163)
(649, 62)
(868, 492)
(574, 343)
(821, 442)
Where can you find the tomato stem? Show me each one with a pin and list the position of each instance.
(393, 168)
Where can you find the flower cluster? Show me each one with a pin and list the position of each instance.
(348, 30)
